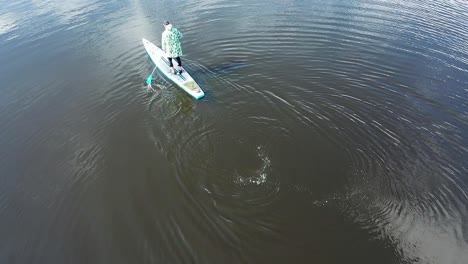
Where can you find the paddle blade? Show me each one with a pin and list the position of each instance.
(149, 80)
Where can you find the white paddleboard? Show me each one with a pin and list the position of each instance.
(184, 80)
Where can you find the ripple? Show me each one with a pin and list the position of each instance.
(367, 76)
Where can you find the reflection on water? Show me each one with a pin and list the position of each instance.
(330, 132)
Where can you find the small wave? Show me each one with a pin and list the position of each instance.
(261, 174)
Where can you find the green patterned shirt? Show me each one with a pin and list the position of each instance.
(171, 42)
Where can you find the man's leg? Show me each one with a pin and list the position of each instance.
(179, 63)
(171, 65)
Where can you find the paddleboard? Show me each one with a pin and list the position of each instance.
(184, 80)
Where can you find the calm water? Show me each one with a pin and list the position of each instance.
(331, 132)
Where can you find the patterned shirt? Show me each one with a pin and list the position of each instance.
(171, 42)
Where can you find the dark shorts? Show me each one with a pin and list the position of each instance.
(179, 62)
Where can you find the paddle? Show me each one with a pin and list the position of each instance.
(150, 78)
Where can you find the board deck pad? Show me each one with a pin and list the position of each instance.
(184, 80)
(192, 85)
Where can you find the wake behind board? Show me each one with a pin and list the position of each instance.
(184, 80)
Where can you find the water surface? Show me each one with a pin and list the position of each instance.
(331, 132)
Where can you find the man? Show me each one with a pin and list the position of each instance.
(171, 46)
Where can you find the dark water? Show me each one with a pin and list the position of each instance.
(331, 132)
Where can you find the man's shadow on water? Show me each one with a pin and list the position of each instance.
(202, 75)
(221, 68)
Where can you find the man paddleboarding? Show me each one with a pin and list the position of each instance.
(171, 46)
